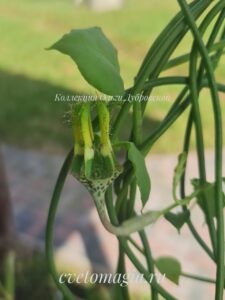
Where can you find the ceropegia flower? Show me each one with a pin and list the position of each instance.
(94, 162)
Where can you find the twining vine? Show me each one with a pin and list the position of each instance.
(93, 159)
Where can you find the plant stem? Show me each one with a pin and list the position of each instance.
(190, 120)
(182, 189)
(218, 150)
(49, 249)
(196, 277)
(150, 261)
(146, 251)
(136, 245)
(185, 57)
(157, 55)
(165, 44)
(119, 120)
(134, 260)
(9, 272)
(137, 138)
(196, 80)
(121, 269)
(137, 123)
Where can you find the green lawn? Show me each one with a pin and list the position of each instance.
(30, 76)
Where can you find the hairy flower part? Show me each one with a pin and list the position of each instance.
(94, 163)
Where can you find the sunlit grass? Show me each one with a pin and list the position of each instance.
(27, 27)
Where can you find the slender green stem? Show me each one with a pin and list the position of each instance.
(119, 120)
(134, 260)
(137, 123)
(149, 260)
(9, 272)
(182, 188)
(190, 122)
(132, 197)
(49, 248)
(146, 251)
(171, 117)
(218, 149)
(196, 83)
(121, 269)
(185, 57)
(197, 277)
(122, 197)
(179, 80)
(132, 241)
(216, 57)
(166, 49)
(136, 223)
(146, 79)
(165, 44)
(157, 55)
(137, 138)
(174, 113)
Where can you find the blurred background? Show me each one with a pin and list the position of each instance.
(34, 139)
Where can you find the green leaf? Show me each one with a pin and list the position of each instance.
(95, 57)
(141, 173)
(170, 267)
(179, 171)
(179, 219)
(209, 192)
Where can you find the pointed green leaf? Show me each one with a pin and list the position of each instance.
(170, 267)
(95, 57)
(141, 173)
(209, 192)
(179, 219)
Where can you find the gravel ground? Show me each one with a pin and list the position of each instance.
(81, 241)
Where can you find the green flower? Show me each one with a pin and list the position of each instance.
(94, 163)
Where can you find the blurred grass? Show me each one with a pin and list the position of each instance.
(30, 76)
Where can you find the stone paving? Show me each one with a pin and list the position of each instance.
(81, 241)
